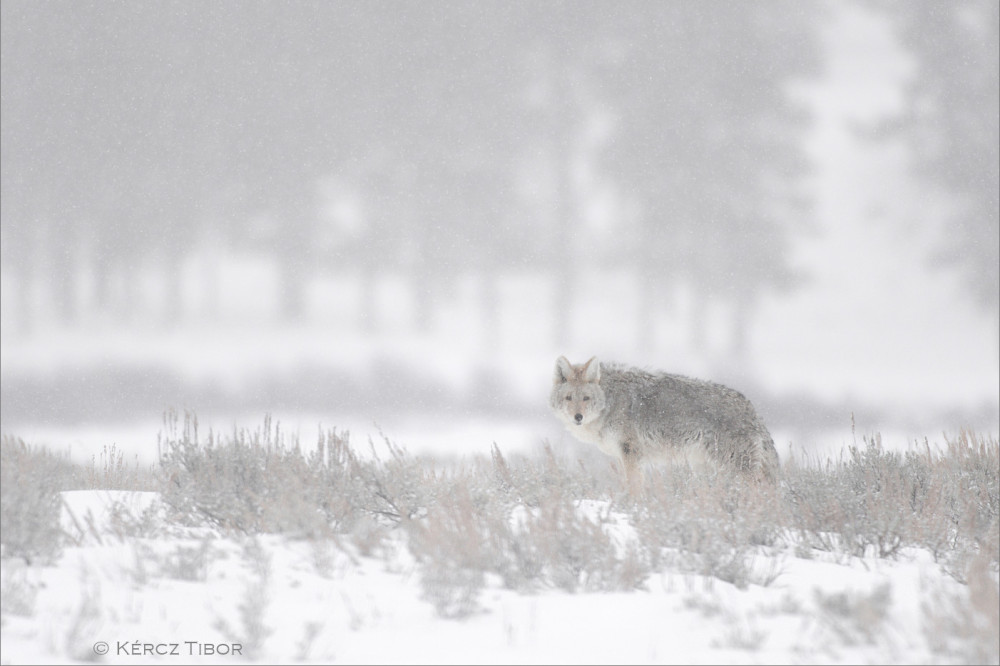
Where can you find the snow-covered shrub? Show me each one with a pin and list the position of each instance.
(856, 507)
(522, 522)
(30, 504)
(260, 481)
(963, 622)
(567, 549)
(17, 591)
(256, 481)
(392, 489)
(876, 502)
(710, 524)
(969, 472)
(111, 472)
(251, 630)
(186, 561)
(854, 617)
(531, 479)
(453, 545)
(556, 529)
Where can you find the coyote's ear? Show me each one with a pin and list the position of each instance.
(563, 371)
(592, 370)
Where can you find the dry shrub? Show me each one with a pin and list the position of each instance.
(521, 520)
(856, 507)
(391, 489)
(251, 482)
(453, 545)
(532, 479)
(548, 540)
(965, 624)
(18, 591)
(968, 472)
(113, 473)
(30, 482)
(480, 526)
(711, 524)
(876, 501)
(252, 631)
(186, 562)
(855, 617)
(556, 544)
(260, 481)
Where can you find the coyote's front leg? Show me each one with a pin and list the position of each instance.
(633, 474)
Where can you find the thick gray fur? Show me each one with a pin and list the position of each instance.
(639, 416)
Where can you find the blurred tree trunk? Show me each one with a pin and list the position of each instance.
(22, 282)
(292, 276)
(702, 154)
(744, 305)
(62, 273)
(698, 321)
(491, 310)
(368, 313)
(953, 131)
(565, 245)
(425, 288)
(293, 252)
(646, 316)
(102, 284)
(172, 279)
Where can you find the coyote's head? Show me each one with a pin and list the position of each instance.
(577, 398)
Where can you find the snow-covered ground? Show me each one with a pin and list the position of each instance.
(184, 596)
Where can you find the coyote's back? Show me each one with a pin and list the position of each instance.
(637, 415)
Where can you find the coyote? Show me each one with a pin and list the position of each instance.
(638, 416)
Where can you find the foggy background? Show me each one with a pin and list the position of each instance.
(395, 216)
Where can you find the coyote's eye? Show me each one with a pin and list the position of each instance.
(586, 397)
(569, 397)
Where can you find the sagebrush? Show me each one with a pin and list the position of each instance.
(531, 522)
